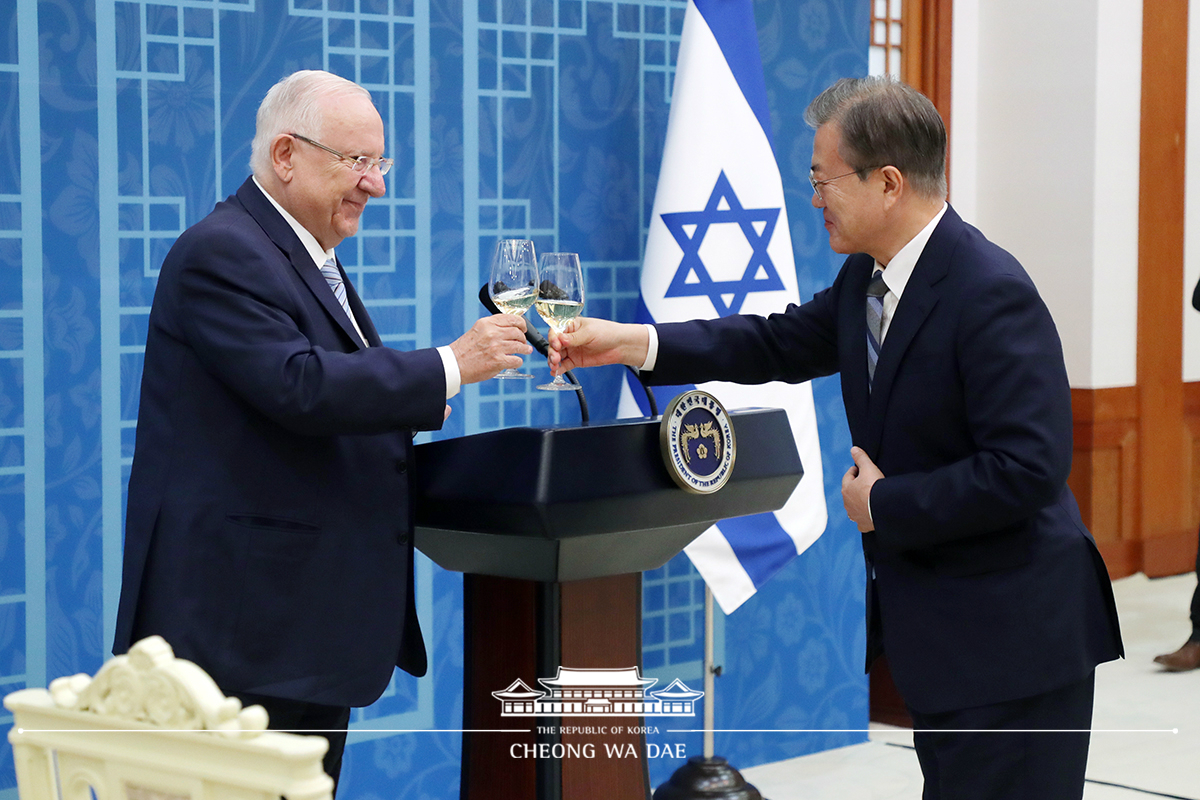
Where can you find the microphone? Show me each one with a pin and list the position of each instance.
(535, 338)
(532, 334)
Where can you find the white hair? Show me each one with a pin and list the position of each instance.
(294, 106)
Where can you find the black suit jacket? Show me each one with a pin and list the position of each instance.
(983, 584)
(268, 532)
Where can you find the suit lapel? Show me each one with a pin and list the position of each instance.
(921, 294)
(360, 313)
(853, 327)
(281, 233)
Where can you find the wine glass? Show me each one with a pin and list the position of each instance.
(512, 284)
(559, 299)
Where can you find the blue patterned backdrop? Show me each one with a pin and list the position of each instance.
(124, 122)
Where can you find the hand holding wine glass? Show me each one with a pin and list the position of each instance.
(559, 299)
(512, 283)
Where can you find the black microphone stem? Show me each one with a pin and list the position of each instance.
(535, 338)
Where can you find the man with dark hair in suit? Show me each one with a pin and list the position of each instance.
(269, 527)
(984, 589)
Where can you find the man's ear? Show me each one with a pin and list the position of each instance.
(283, 147)
(894, 184)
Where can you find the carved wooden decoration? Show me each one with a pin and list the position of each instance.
(150, 726)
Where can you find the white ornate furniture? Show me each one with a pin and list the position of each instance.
(150, 726)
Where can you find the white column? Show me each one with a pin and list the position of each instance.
(1044, 160)
(1191, 213)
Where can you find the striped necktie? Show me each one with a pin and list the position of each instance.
(334, 278)
(876, 289)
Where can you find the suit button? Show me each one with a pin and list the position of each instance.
(402, 537)
(401, 466)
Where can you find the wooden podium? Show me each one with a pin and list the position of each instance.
(552, 528)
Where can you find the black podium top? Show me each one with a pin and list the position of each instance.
(567, 503)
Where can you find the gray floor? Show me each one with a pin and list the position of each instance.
(1135, 751)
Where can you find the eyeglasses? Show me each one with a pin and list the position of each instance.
(816, 184)
(359, 164)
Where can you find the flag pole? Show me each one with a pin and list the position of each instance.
(709, 674)
(707, 777)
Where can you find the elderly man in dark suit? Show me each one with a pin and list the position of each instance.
(269, 527)
(983, 586)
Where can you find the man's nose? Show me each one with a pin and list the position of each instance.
(372, 182)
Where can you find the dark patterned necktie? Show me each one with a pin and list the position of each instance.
(334, 278)
(876, 289)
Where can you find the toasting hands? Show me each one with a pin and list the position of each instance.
(492, 344)
(591, 342)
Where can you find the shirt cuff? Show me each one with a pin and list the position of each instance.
(453, 376)
(651, 350)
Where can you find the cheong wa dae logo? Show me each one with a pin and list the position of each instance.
(620, 692)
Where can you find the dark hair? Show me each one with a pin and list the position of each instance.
(885, 122)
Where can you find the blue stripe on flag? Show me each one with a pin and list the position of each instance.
(762, 546)
(733, 26)
(759, 542)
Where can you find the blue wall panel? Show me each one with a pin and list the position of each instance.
(124, 122)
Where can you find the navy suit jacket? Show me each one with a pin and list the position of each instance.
(983, 583)
(268, 533)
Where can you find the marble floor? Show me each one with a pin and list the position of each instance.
(1146, 740)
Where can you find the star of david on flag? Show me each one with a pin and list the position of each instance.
(719, 244)
(689, 228)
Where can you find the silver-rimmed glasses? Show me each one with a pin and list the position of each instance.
(816, 184)
(357, 163)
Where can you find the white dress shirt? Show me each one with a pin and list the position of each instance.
(900, 269)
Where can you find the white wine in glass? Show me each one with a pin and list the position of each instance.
(512, 283)
(559, 300)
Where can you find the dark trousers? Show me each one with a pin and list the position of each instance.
(1196, 601)
(299, 716)
(1008, 751)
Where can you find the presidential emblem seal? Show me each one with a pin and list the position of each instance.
(696, 438)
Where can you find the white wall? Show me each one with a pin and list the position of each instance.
(1191, 241)
(1044, 159)
(1117, 169)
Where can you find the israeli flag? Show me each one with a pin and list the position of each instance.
(719, 244)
